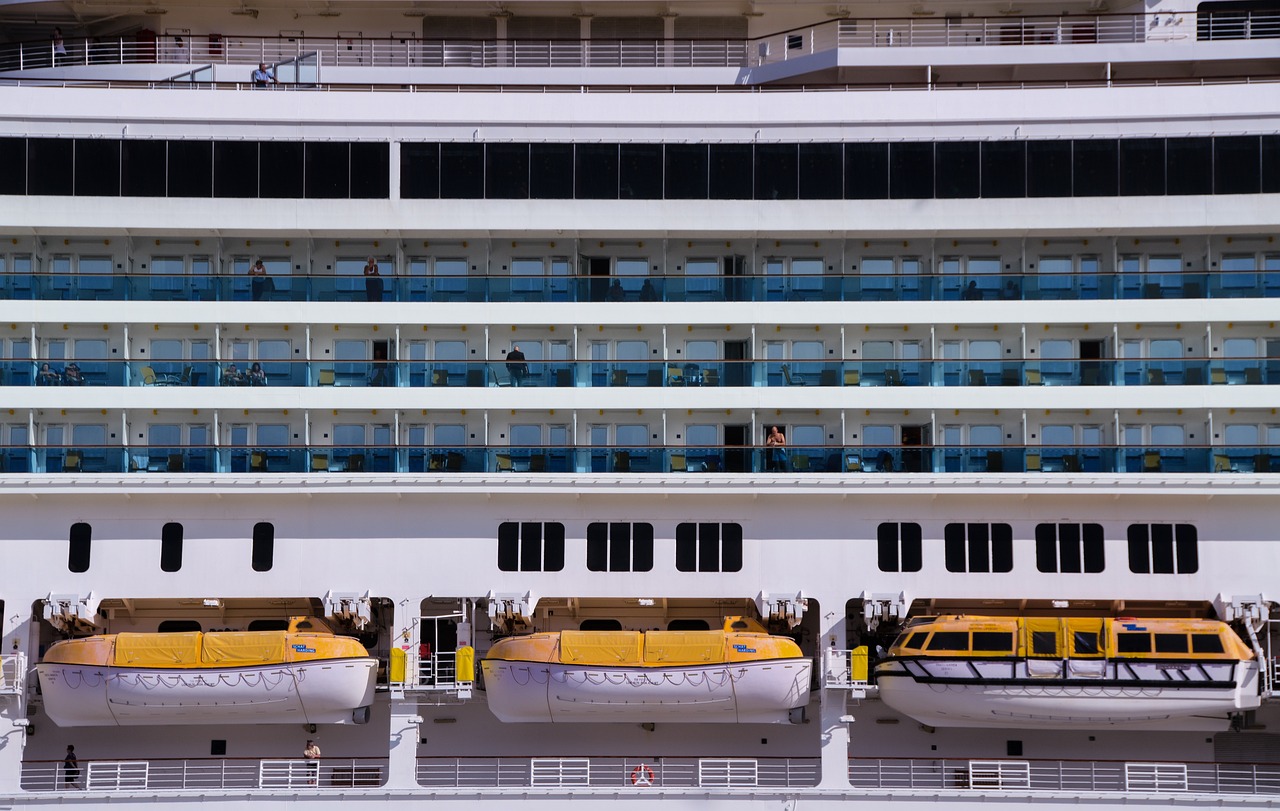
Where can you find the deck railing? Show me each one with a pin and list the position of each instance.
(13, 673)
(639, 774)
(205, 774)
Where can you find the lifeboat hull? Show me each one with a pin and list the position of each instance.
(312, 692)
(1056, 704)
(761, 692)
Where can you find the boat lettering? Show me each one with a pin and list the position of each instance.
(743, 649)
(302, 648)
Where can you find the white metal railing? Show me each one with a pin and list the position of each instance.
(207, 774)
(13, 673)
(1065, 776)
(638, 774)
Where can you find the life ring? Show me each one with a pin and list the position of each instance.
(642, 775)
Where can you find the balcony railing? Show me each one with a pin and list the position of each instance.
(205, 774)
(13, 673)
(642, 289)
(641, 374)
(638, 774)
(792, 460)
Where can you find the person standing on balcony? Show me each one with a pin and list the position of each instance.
(59, 47)
(71, 767)
(516, 366)
(312, 755)
(372, 281)
(258, 283)
(263, 76)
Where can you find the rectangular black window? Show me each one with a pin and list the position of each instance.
(1206, 643)
(820, 170)
(899, 547)
(370, 171)
(866, 171)
(708, 547)
(1069, 548)
(1001, 641)
(530, 546)
(911, 171)
(640, 171)
(978, 547)
(326, 171)
(1048, 168)
(1004, 169)
(420, 171)
(80, 542)
(190, 168)
(264, 546)
(776, 170)
(235, 169)
(1163, 549)
(171, 547)
(948, 640)
(1189, 167)
(619, 547)
(506, 171)
(462, 171)
(551, 171)
(1095, 171)
(1044, 643)
(957, 170)
(731, 172)
(1270, 159)
(280, 170)
(1171, 643)
(1142, 163)
(13, 166)
(50, 166)
(685, 171)
(1133, 643)
(143, 168)
(97, 167)
(1237, 164)
(595, 173)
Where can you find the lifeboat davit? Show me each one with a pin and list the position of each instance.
(740, 674)
(304, 675)
(1069, 673)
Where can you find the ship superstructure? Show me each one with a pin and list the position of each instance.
(522, 344)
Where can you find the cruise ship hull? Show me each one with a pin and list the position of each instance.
(329, 692)
(741, 692)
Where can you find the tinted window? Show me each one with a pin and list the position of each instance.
(143, 168)
(1094, 168)
(50, 166)
(898, 547)
(911, 171)
(1044, 643)
(190, 169)
(13, 165)
(596, 171)
(948, 640)
(1085, 642)
(866, 171)
(462, 171)
(235, 169)
(821, 173)
(1237, 164)
(1206, 643)
(993, 641)
(370, 171)
(731, 172)
(686, 171)
(640, 171)
(506, 171)
(551, 171)
(264, 543)
(619, 547)
(1049, 169)
(1270, 159)
(957, 170)
(326, 171)
(776, 172)
(1004, 169)
(97, 167)
(1142, 163)
(1171, 643)
(171, 547)
(1189, 165)
(708, 547)
(1133, 643)
(80, 542)
(915, 640)
(419, 171)
(281, 169)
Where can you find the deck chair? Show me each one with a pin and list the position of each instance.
(148, 376)
(1262, 463)
(621, 462)
(1089, 377)
(1155, 377)
(995, 462)
(73, 462)
(1033, 463)
(1193, 376)
(1221, 463)
(439, 377)
(355, 463)
(1150, 463)
(977, 377)
(892, 377)
(453, 462)
(793, 380)
(675, 376)
(1033, 377)
(258, 462)
(1071, 463)
(319, 462)
(503, 462)
(711, 377)
(1253, 376)
(678, 463)
(852, 463)
(800, 463)
(1010, 377)
(499, 380)
(177, 463)
(1218, 377)
(852, 377)
(326, 377)
(538, 463)
(618, 377)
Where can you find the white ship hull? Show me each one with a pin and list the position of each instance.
(743, 693)
(310, 693)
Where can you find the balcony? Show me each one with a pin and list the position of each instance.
(206, 774)
(619, 774)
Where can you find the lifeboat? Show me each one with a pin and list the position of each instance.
(1069, 673)
(304, 675)
(740, 674)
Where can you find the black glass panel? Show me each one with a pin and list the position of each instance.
(732, 172)
(1190, 165)
(50, 164)
(1069, 547)
(530, 546)
(776, 172)
(143, 166)
(13, 165)
(596, 171)
(642, 547)
(553, 553)
(957, 169)
(420, 171)
(171, 547)
(731, 550)
(1237, 164)
(686, 547)
(551, 171)
(1047, 547)
(462, 171)
(979, 548)
(866, 171)
(911, 171)
(506, 171)
(81, 543)
(1048, 168)
(327, 171)
(912, 552)
(640, 171)
(1187, 556)
(708, 547)
(1139, 549)
(954, 547)
(1095, 168)
(264, 545)
(685, 171)
(887, 547)
(97, 167)
(1162, 549)
(370, 171)
(597, 547)
(190, 169)
(280, 170)
(1094, 551)
(619, 547)
(1270, 164)
(1142, 164)
(821, 171)
(1004, 169)
(235, 169)
(509, 546)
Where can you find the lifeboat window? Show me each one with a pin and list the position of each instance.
(178, 626)
(619, 547)
(1069, 548)
(898, 547)
(1206, 643)
(1163, 549)
(915, 640)
(264, 543)
(1133, 643)
(600, 625)
(1044, 643)
(1085, 643)
(688, 625)
(81, 540)
(530, 546)
(171, 547)
(1001, 641)
(1171, 643)
(978, 547)
(709, 547)
(948, 640)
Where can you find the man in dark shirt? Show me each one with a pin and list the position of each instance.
(516, 366)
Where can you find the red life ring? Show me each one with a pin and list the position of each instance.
(642, 775)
